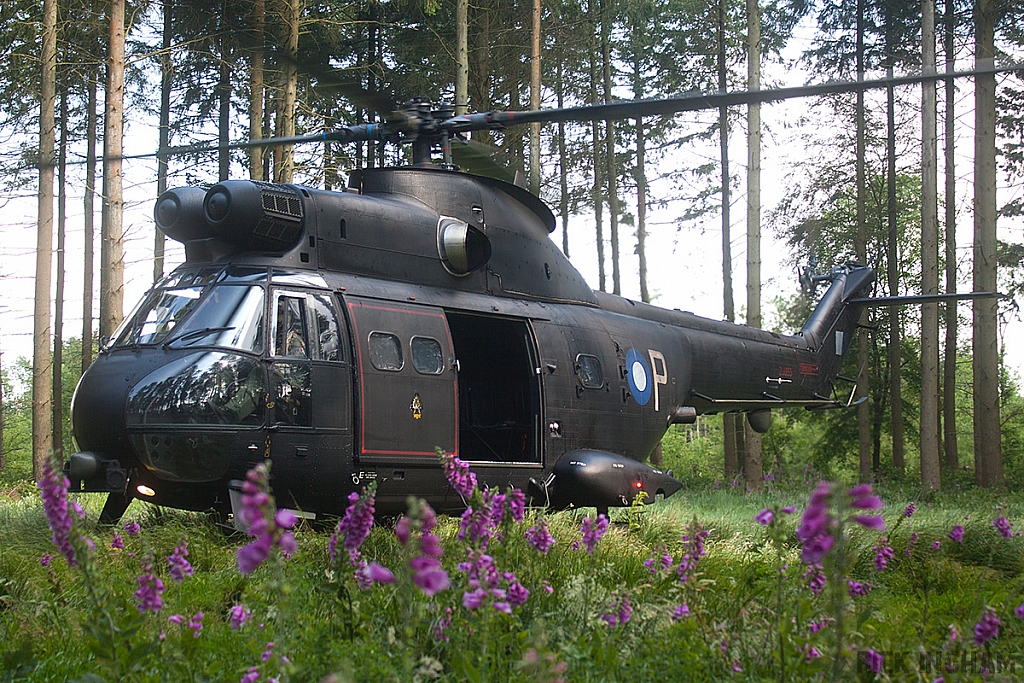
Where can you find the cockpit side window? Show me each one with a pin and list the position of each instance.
(290, 338)
(326, 328)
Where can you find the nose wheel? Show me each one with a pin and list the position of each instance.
(115, 507)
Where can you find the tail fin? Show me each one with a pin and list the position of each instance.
(830, 328)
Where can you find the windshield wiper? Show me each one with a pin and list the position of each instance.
(197, 334)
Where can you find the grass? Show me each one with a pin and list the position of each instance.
(744, 622)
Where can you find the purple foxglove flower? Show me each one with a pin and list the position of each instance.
(874, 661)
(1003, 526)
(517, 594)
(764, 517)
(286, 542)
(45, 559)
(517, 506)
(132, 529)
(681, 612)
(593, 531)
(811, 653)
(815, 548)
(882, 557)
(354, 528)
(375, 573)
(253, 555)
(936, 545)
(857, 589)
(196, 624)
(238, 616)
(987, 628)
(429, 575)
(457, 472)
(403, 530)
(815, 579)
(874, 522)
(180, 567)
(53, 488)
(502, 606)
(909, 510)
(176, 619)
(957, 534)
(268, 652)
(285, 519)
(474, 599)
(539, 538)
(789, 509)
(1019, 612)
(148, 594)
(251, 676)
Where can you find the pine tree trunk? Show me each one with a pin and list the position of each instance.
(88, 221)
(752, 466)
(42, 379)
(58, 307)
(730, 461)
(165, 135)
(563, 170)
(951, 460)
(988, 460)
(286, 124)
(611, 167)
(461, 57)
(224, 96)
(895, 353)
(256, 89)
(861, 246)
(595, 129)
(929, 423)
(534, 184)
(112, 232)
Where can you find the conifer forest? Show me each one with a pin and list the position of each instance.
(877, 541)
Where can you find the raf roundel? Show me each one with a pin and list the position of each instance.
(639, 376)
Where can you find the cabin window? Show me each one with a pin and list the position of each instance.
(589, 370)
(325, 327)
(386, 351)
(427, 356)
(290, 335)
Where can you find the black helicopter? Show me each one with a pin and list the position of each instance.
(349, 335)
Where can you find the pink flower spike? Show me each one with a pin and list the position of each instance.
(375, 573)
(874, 522)
(285, 519)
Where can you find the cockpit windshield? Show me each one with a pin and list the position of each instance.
(223, 315)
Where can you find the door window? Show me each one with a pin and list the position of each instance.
(386, 351)
(427, 357)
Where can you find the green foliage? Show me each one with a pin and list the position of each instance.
(749, 611)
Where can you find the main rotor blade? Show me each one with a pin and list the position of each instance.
(694, 101)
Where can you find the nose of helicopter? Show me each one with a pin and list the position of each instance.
(98, 406)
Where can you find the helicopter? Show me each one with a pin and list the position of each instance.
(350, 336)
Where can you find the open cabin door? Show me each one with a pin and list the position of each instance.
(408, 405)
